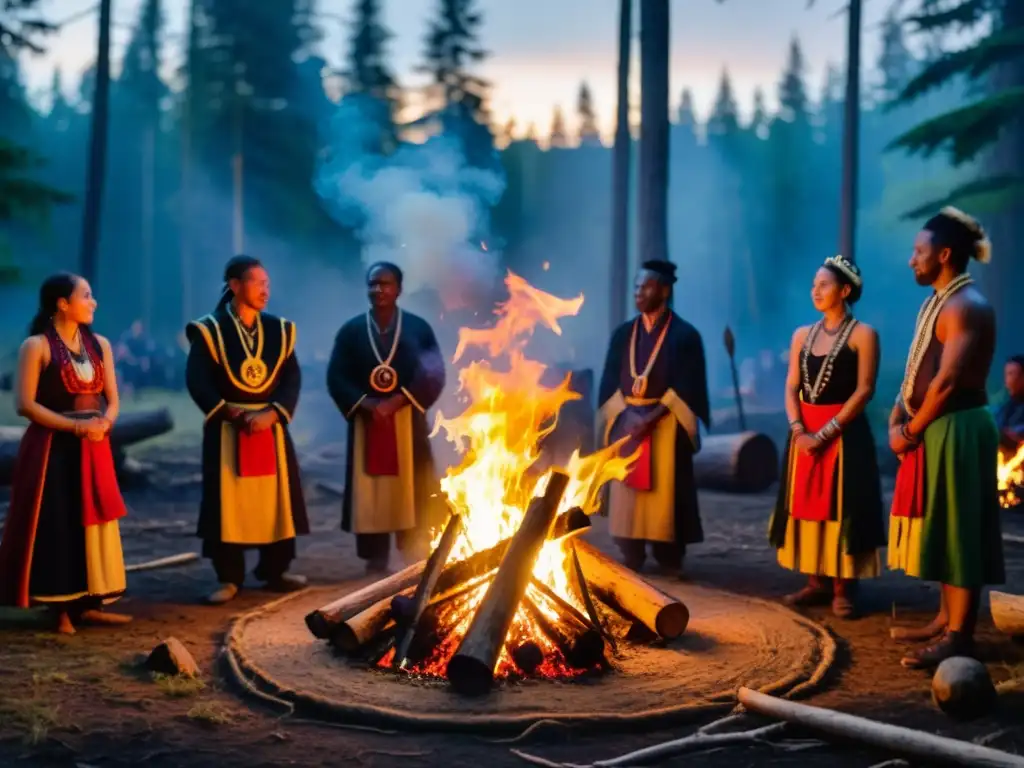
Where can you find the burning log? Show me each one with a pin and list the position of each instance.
(528, 657)
(747, 462)
(356, 631)
(471, 669)
(323, 621)
(581, 651)
(435, 564)
(617, 584)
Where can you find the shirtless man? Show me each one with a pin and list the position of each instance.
(945, 523)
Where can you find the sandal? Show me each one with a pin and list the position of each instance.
(809, 595)
(952, 644)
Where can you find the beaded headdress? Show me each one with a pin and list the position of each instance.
(846, 267)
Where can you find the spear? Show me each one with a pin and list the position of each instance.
(730, 348)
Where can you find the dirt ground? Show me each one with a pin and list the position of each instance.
(82, 701)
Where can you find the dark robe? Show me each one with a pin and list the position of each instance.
(407, 498)
(678, 381)
(245, 511)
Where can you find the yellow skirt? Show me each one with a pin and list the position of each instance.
(104, 566)
(816, 548)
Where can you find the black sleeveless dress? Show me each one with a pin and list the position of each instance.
(846, 545)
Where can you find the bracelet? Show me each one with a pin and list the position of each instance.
(907, 435)
(830, 430)
(797, 427)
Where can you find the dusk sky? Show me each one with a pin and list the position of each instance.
(542, 49)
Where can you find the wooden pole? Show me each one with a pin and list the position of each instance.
(891, 738)
(652, 176)
(657, 611)
(620, 174)
(851, 134)
(471, 669)
(92, 210)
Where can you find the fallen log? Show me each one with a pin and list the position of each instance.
(618, 585)
(891, 738)
(1008, 612)
(321, 622)
(471, 669)
(428, 581)
(129, 429)
(743, 462)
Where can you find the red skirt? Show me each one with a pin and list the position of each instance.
(381, 458)
(814, 478)
(101, 502)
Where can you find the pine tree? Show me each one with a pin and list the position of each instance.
(686, 116)
(461, 97)
(61, 112)
(793, 101)
(759, 118)
(557, 138)
(367, 74)
(21, 197)
(965, 132)
(896, 64)
(139, 84)
(589, 135)
(724, 119)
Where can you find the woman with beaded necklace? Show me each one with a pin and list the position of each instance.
(61, 543)
(828, 519)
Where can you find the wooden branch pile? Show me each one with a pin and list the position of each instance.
(404, 620)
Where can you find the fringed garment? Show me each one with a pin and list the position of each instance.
(61, 542)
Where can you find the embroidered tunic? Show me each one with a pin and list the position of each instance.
(390, 481)
(61, 541)
(665, 507)
(252, 490)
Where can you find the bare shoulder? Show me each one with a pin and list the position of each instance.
(863, 334)
(969, 305)
(800, 335)
(104, 343)
(33, 345)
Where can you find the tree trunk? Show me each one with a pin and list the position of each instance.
(654, 131)
(851, 135)
(620, 175)
(93, 208)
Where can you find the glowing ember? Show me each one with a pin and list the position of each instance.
(498, 437)
(1011, 478)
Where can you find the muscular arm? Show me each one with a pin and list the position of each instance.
(31, 359)
(109, 382)
(957, 330)
(793, 376)
(865, 344)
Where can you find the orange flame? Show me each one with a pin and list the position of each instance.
(1011, 477)
(498, 437)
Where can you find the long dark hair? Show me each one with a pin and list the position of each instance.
(235, 269)
(54, 288)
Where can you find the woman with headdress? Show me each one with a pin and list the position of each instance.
(61, 542)
(828, 519)
(243, 374)
(654, 392)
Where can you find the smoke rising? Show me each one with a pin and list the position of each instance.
(424, 207)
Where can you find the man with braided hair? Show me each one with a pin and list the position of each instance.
(654, 390)
(945, 514)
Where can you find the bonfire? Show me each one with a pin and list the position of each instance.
(509, 589)
(1011, 478)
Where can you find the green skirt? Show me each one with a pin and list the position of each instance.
(959, 540)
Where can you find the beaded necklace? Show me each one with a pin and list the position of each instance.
(73, 372)
(923, 330)
(842, 335)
